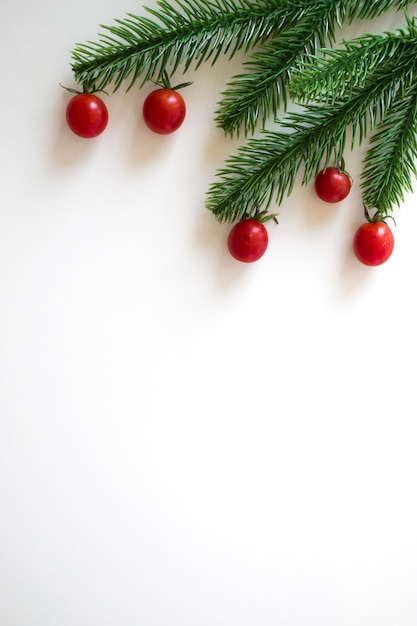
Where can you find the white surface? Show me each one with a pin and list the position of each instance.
(185, 440)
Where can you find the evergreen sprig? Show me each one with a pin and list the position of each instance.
(367, 86)
(390, 162)
(178, 34)
(370, 9)
(335, 72)
(183, 32)
(374, 62)
(265, 169)
(262, 88)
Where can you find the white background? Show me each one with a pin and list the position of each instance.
(186, 440)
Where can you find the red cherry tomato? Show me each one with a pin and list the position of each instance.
(332, 184)
(373, 243)
(87, 115)
(164, 110)
(248, 240)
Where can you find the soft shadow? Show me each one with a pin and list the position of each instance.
(146, 145)
(211, 236)
(354, 276)
(67, 148)
(316, 212)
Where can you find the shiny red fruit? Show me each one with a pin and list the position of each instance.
(248, 240)
(373, 243)
(87, 115)
(332, 185)
(164, 110)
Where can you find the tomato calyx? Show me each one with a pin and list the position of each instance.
(341, 168)
(86, 89)
(378, 216)
(260, 216)
(164, 82)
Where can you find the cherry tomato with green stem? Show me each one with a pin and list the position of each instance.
(164, 110)
(332, 184)
(87, 115)
(248, 240)
(373, 243)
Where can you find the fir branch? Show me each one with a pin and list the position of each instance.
(370, 83)
(267, 167)
(183, 32)
(390, 163)
(255, 95)
(369, 9)
(179, 34)
(336, 73)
